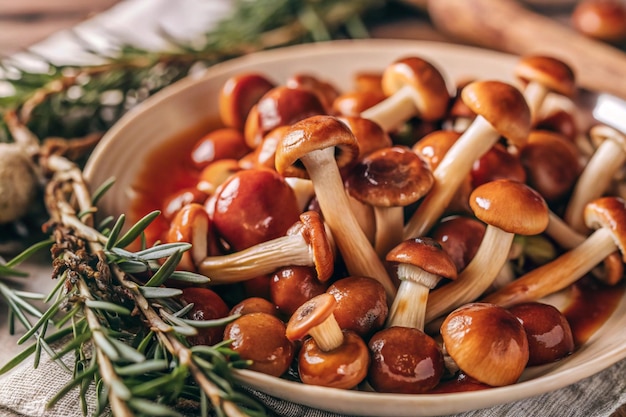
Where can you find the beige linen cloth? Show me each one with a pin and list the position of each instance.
(25, 392)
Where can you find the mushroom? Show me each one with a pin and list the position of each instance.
(361, 304)
(543, 75)
(404, 360)
(596, 177)
(369, 135)
(497, 163)
(491, 203)
(421, 263)
(414, 87)
(254, 305)
(486, 342)
(354, 103)
(330, 357)
(608, 216)
(501, 110)
(460, 237)
(433, 147)
(291, 286)
(306, 243)
(18, 182)
(179, 199)
(389, 179)
(260, 338)
(215, 174)
(323, 144)
(559, 121)
(190, 224)
(253, 206)
(604, 20)
(552, 164)
(280, 106)
(207, 305)
(238, 95)
(224, 143)
(325, 91)
(549, 334)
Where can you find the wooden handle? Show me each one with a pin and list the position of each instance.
(505, 25)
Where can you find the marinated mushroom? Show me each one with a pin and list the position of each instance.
(486, 342)
(224, 143)
(389, 179)
(306, 243)
(460, 237)
(207, 305)
(414, 87)
(491, 203)
(421, 263)
(543, 75)
(238, 95)
(608, 216)
(191, 224)
(260, 338)
(291, 286)
(501, 110)
(323, 144)
(330, 357)
(596, 177)
(604, 20)
(254, 305)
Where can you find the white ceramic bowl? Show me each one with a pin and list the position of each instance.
(194, 100)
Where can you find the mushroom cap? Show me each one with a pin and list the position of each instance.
(309, 315)
(511, 206)
(425, 253)
(460, 237)
(390, 177)
(601, 19)
(313, 230)
(238, 95)
(552, 73)
(487, 342)
(434, 146)
(502, 105)
(610, 213)
(426, 80)
(600, 133)
(353, 103)
(368, 134)
(311, 134)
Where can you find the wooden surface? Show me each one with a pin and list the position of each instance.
(25, 22)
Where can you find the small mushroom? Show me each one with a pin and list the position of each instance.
(354, 103)
(596, 177)
(260, 338)
(238, 95)
(389, 179)
(224, 143)
(306, 243)
(254, 305)
(330, 357)
(434, 146)
(325, 91)
(207, 305)
(486, 342)
(491, 203)
(460, 237)
(369, 135)
(191, 224)
(501, 110)
(421, 263)
(543, 75)
(323, 144)
(604, 20)
(608, 216)
(497, 163)
(549, 334)
(215, 174)
(414, 87)
(291, 286)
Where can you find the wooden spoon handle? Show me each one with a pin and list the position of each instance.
(505, 25)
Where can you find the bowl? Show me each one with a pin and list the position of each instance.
(192, 102)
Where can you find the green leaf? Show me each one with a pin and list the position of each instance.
(152, 409)
(162, 251)
(73, 344)
(101, 190)
(137, 229)
(160, 292)
(202, 324)
(189, 277)
(127, 352)
(117, 228)
(164, 272)
(52, 310)
(87, 373)
(143, 367)
(28, 252)
(107, 306)
(5, 271)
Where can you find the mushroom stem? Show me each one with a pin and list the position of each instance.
(594, 180)
(535, 94)
(476, 278)
(562, 233)
(449, 174)
(409, 306)
(327, 334)
(358, 253)
(558, 274)
(257, 260)
(395, 109)
(389, 224)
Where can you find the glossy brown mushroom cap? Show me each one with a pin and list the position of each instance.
(343, 367)
(425, 79)
(609, 213)
(425, 253)
(309, 315)
(238, 95)
(435, 145)
(404, 360)
(550, 72)
(260, 337)
(460, 237)
(502, 105)
(511, 206)
(390, 177)
(314, 232)
(487, 342)
(368, 134)
(601, 19)
(292, 286)
(311, 134)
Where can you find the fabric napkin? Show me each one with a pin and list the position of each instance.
(25, 392)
